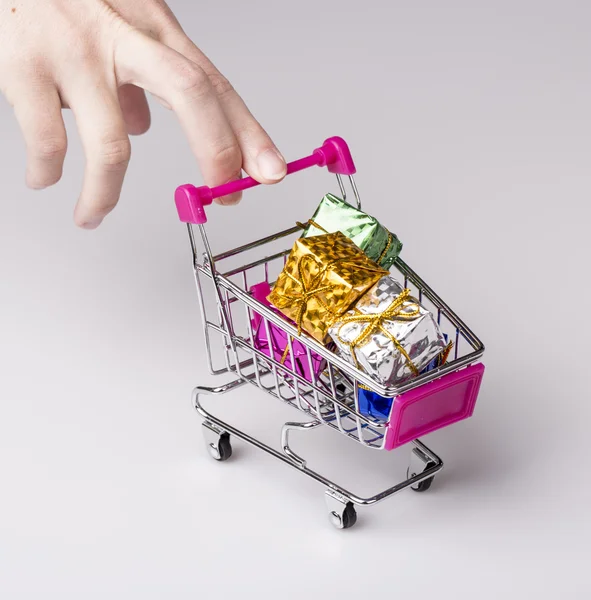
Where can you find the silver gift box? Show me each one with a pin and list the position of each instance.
(409, 328)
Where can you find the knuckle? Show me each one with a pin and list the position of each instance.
(82, 49)
(228, 158)
(33, 68)
(50, 149)
(191, 81)
(24, 76)
(221, 85)
(114, 154)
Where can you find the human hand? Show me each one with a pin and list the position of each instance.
(97, 57)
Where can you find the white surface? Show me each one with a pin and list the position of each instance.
(471, 131)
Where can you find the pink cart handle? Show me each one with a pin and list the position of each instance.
(191, 201)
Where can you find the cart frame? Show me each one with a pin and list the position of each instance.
(329, 399)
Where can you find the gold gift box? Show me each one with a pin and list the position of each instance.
(323, 277)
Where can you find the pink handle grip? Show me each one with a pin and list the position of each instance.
(191, 201)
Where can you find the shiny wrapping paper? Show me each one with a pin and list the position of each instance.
(322, 278)
(388, 334)
(334, 214)
(371, 404)
(441, 358)
(278, 348)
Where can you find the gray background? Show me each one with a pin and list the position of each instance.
(469, 122)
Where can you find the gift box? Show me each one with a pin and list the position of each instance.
(442, 357)
(278, 347)
(334, 214)
(372, 404)
(388, 334)
(323, 277)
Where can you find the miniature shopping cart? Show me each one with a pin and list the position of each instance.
(433, 400)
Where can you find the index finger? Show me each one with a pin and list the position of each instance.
(147, 63)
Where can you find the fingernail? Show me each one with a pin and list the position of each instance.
(92, 224)
(230, 200)
(271, 164)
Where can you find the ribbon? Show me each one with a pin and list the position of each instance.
(285, 354)
(375, 323)
(445, 354)
(312, 223)
(312, 288)
(384, 253)
(385, 250)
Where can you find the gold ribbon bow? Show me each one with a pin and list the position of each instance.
(312, 288)
(375, 323)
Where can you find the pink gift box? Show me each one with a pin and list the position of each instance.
(279, 341)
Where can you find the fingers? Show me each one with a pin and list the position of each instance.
(107, 148)
(184, 86)
(261, 159)
(39, 113)
(135, 109)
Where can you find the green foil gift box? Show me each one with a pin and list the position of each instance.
(334, 214)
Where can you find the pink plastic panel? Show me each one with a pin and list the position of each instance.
(433, 406)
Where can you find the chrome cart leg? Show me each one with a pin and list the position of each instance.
(341, 502)
(420, 462)
(217, 441)
(341, 510)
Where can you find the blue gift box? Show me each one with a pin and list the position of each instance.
(371, 404)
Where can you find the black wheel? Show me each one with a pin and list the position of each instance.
(426, 484)
(349, 516)
(224, 447)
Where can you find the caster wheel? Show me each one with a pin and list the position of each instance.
(347, 517)
(423, 486)
(222, 450)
